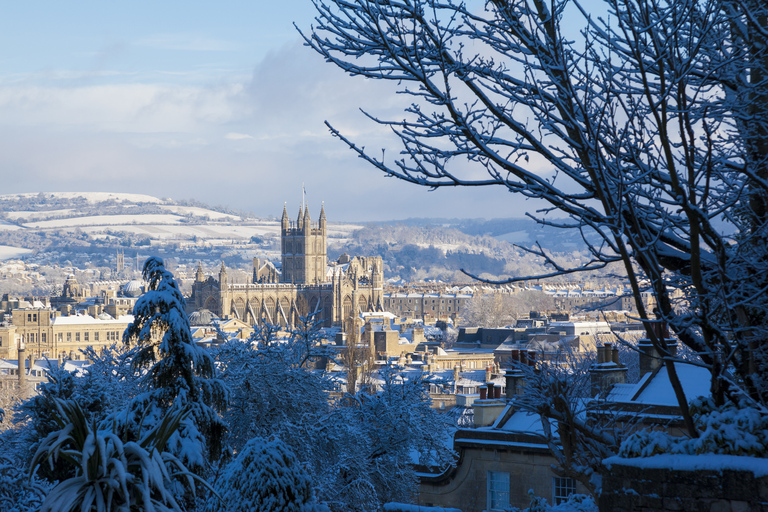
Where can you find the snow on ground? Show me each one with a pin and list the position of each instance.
(8, 253)
(168, 231)
(705, 462)
(105, 220)
(6, 226)
(28, 216)
(92, 197)
(198, 212)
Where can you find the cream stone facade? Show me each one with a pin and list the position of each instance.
(44, 332)
(426, 306)
(306, 284)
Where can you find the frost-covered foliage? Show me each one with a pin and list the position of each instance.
(178, 372)
(724, 430)
(269, 392)
(558, 391)
(108, 471)
(500, 309)
(266, 476)
(357, 451)
(106, 386)
(574, 503)
(646, 131)
(363, 450)
(18, 492)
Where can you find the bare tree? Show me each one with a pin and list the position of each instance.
(648, 132)
(499, 309)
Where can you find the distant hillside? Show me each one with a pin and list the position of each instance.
(425, 250)
(85, 230)
(521, 231)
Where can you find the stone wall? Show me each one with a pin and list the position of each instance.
(633, 488)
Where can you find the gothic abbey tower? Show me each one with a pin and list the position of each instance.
(303, 248)
(306, 282)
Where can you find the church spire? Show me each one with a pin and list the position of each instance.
(284, 223)
(322, 217)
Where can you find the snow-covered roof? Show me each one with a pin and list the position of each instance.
(655, 388)
(89, 320)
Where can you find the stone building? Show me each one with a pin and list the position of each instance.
(45, 332)
(306, 283)
(426, 306)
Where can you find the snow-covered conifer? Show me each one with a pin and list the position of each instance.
(178, 372)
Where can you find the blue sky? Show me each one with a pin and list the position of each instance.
(218, 102)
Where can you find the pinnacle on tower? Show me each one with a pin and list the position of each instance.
(307, 220)
(285, 224)
(322, 216)
(300, 220)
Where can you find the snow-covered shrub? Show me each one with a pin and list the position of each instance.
(266, 476)
(574, 503)
(726, 430)
(18, 492)
(106, 386)
(110, 473)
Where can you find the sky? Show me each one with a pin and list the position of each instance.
(214, 101)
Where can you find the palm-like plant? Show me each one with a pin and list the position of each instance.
(111, 474)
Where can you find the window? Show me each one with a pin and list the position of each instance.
(77, 337)
(96, 336)
(498, 490)
(69, 337)
(86, 336)
(562, 487)
(61, 337)
(43, 337)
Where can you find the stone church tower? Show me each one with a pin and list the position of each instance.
(303, 247)
(336, 293)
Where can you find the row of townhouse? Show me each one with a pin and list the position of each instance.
(426, 306)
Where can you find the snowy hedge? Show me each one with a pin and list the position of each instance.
(728, 430)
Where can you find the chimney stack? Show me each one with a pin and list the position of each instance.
(607, 370)
(21, 358)
(650, 359)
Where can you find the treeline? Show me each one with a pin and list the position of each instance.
(430, 252)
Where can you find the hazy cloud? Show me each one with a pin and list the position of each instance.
(248, 142)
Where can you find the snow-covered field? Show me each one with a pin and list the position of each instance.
(29, 216)
(198, 212)
(105, 220)
(5, 226)
(171, 231)
(91, 197)
(179, 223)
(8, 253)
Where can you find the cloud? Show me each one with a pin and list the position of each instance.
(248, 142)
(187, 42)
(238, 136)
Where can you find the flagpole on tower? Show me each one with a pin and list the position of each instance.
(303, 193)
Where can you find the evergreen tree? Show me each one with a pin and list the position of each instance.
(179, 373)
